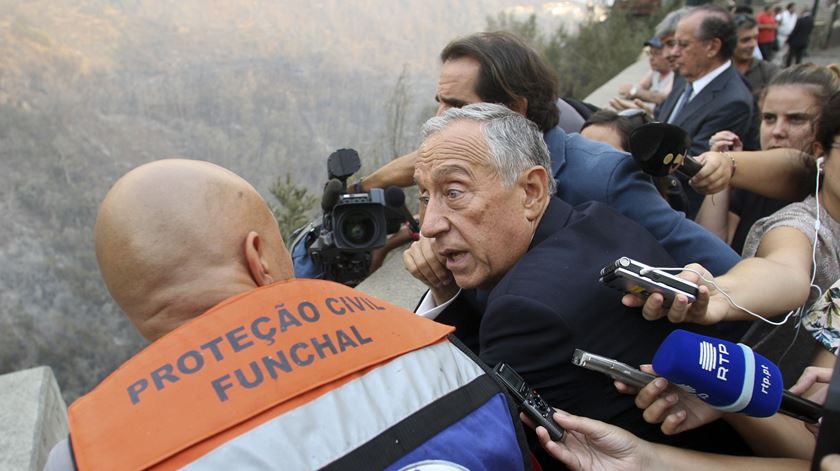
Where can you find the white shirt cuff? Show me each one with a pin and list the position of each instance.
(427, 307)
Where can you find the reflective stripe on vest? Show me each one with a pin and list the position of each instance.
(238, 368)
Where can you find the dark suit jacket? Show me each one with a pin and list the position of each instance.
(801, 32)
(724, 104)
(551, 303)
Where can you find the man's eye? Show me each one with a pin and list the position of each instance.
(453, 194)
(769, 118)
(424, 200)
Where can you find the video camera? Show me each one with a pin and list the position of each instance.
(352, 224)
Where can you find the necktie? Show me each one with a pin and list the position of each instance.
(681, 103)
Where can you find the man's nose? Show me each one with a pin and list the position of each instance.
(780, 128)
(434, 221)
(442, 107)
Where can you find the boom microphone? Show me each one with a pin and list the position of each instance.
(332, 190)
(661, 149)
(730, 377)
(395, 200)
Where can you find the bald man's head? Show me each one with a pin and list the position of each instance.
(175, 237)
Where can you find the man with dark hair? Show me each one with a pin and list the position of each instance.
(528, 88)
(499, 67)
(758, 72)
(709, 95)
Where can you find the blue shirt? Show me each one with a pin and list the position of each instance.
(591, 171)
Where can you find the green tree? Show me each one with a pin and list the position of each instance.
(588, 59)
(296, 205)
(526, 29)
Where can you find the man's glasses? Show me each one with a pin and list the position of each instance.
(684, 43)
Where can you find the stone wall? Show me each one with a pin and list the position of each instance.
(33, 418)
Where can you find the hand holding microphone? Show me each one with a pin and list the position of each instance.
(730, 377)
(674, 407)
(661, 149)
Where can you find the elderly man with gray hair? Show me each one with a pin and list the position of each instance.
(525, 265)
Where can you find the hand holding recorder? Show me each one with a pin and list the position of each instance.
(708, 307)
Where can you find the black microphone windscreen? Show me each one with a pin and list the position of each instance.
(394, 197)
(332, 190)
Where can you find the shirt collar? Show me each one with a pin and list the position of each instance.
(699, 84)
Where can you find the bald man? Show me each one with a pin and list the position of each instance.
(176, 237)
(244, 360)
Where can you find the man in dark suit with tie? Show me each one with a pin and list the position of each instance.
(799, 38)
(490, 219)
(710, 95)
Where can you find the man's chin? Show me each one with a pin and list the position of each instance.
(464, 282)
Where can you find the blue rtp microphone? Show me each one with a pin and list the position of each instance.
(730, 377)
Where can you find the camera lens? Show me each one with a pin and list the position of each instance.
(358, 228)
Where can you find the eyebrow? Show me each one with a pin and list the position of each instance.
(453, 102)
(789, 115)
(446, 170)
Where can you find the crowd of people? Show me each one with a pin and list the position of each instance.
(524, 197)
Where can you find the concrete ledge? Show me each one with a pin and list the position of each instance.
(33, 418)
(602, 95)
(393, 284)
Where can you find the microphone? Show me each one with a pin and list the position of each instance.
(395, 200)
(332, 190)
(661, 149)
(729, 377)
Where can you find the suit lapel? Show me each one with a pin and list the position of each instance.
(703, 98)
(671, 101)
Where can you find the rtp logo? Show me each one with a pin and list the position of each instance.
(712, 358)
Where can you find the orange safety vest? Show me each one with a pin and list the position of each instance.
(285, 376)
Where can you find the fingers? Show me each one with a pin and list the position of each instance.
(647, 369)
(631, 300)
(653, 308)
(678, 311)
(624, 388)
(619, 104)
(673, 423)
(648, 107)
(720, 146)
(651, 393)
(557, 450)
(810, 376)
(422, 262)
(661, 405)
(830, 463)
(526, 420)
(714, 175)
(572, 423)
(698, 311)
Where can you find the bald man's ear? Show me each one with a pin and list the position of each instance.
(534, 183)
(254, 257)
